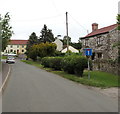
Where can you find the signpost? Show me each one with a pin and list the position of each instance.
(88, 53)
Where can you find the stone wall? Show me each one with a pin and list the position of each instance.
(107, 66)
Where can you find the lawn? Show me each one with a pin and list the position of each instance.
(97, 78)
(4, 57)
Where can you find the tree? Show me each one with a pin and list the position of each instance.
(46, 35)
(42, 50)
(6, 30)
(33, 39)
(65, 40)
(76, 45)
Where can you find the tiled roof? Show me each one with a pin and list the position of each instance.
(18, 42)
(101, 31)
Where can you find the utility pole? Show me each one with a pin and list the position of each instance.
(67, 31)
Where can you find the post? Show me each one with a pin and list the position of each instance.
(67, 30)
(88, 68)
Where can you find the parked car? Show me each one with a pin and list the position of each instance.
(10, 59)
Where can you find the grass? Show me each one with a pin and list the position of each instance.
(97, 78)
(4, 57)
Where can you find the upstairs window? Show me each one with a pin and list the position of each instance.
(99, 40)
(11, 46)
(86, 42)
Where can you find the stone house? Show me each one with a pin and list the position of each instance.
(102, 41)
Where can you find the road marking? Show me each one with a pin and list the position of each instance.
(5, 80)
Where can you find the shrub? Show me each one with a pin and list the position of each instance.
(55, 63)
(74, 64)
(67, 64)
(46, 61)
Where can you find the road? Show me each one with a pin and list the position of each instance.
(31, 89)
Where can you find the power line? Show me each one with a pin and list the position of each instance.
(78, 23)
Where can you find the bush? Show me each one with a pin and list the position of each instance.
(46, 61)
(74, 64)
(55, 63)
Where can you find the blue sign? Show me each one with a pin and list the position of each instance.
(88, 51)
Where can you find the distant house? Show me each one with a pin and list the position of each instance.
(102, 41)
(72, 49)
(59, 44)
(16, 46)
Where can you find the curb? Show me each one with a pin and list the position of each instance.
(3, 85)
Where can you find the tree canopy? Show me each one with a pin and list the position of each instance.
(46, 35)
(118, 21)
(6, 30)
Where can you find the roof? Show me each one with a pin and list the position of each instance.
(101, 31)
(71, 49)
(18, 42)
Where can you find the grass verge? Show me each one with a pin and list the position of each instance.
(97, 78)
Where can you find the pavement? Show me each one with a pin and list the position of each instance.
(31, 89)
(4, 74)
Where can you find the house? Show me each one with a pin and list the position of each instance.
(16, 46)
(59, 44)
(102, 41)
(72, 49)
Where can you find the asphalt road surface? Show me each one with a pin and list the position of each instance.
(31, 89)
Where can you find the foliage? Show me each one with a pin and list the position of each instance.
(46, 61)
(74, 64)
(42, 50)
(46, 35)
(33, 39)
(76, 45)
(58, 53)
(6, 31)
(65, 40)
(118, 21)
(55, 63)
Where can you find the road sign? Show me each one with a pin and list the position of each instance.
(88, 51)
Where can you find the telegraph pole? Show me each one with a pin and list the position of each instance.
(67, 30)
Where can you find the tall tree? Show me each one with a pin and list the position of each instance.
(46, 35)
(33, 39)
(6, 30)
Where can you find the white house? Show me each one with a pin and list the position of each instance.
(59, 44)
(72, 49)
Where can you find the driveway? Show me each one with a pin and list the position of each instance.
(31, 89)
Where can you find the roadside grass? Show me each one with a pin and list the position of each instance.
(97, 78)
(4, 57)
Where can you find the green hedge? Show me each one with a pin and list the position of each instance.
(74, 64)
(55, 63)
(71, 64)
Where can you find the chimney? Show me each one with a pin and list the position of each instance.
(94, 26)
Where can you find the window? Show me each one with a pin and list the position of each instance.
(17, 46)
(11, 46)
(99, 41)
(22, 46)
(86, 42)
(15, 51)
(22, 50)
(99, 55)
(11, 50)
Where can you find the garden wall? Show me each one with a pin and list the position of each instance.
(107, 66)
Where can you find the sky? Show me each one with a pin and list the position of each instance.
(29, 16)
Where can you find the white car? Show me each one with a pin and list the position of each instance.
(10, 59)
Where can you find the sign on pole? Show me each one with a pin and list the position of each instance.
(88, 52)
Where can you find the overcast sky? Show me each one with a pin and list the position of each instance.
(29, 16)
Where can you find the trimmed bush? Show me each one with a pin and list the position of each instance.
(46, 61)
(74, 64)
(55, 63)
